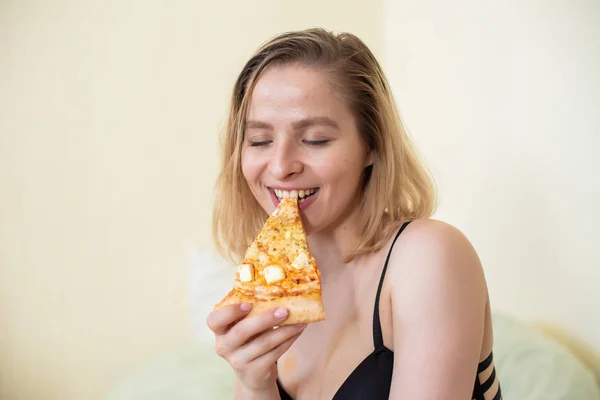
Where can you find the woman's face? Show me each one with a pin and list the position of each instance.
(301, 140)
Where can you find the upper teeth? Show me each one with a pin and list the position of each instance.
(294, 194)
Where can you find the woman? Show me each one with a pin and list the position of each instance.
(407, 307)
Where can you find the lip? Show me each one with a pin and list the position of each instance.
(302, 206)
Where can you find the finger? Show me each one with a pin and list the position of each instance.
(219, 321)
(267, 341)
(268, 359)
(255, 324)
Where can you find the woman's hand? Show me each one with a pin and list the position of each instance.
(252, 345)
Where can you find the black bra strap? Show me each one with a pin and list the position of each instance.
(377, 334)
(485, 363)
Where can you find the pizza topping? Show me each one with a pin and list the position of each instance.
(302, 261)
(273, 274)
(246, 273)
(262, 258)
(279, 262)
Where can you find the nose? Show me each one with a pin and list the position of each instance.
(286, 161)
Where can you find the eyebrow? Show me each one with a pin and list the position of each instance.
(298, 125)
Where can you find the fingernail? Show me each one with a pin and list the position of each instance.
(300, 325)
(245, 307)
(281, 312)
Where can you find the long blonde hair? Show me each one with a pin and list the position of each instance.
(397, 187)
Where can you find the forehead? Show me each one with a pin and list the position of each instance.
(294, 92)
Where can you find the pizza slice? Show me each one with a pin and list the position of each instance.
(278, 270)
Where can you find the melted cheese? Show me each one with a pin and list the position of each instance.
(262, 258)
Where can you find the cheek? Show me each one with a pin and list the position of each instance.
(345, 165)
(345, 172)
(250, 168)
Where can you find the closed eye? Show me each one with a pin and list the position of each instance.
(260, 143)
(316, 142)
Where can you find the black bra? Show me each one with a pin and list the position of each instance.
(372, 378)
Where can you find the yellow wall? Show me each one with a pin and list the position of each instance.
(109, 114)
(503, 99)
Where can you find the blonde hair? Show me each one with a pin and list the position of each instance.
(397, 187)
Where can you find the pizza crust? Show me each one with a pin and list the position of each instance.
(303, 308)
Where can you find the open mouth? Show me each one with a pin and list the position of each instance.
(300, 194)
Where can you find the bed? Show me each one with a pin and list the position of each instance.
(531, 366)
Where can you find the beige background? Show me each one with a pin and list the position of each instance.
(109, 113)
(108, 151)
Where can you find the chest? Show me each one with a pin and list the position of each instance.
(327, 352)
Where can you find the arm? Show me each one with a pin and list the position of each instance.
(439, 297)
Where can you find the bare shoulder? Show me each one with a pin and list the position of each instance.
(432, 257)
(431, 234)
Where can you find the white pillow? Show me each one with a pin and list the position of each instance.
(211, 278)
